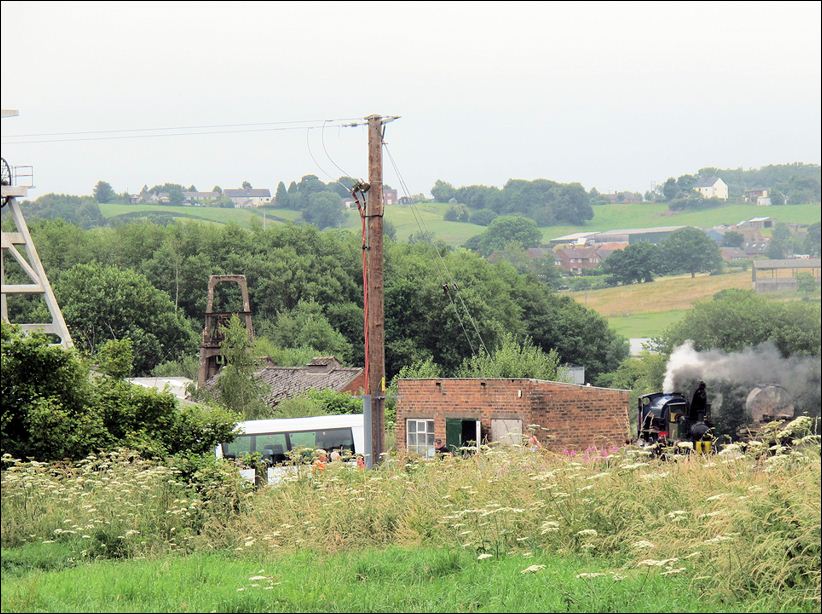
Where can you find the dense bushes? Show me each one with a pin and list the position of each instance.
(53, 408)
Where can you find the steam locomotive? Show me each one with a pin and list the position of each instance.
(666, 418)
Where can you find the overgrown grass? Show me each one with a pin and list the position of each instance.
(743, 528)
(393, 579)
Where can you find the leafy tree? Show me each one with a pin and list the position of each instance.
(636, 263)
(780, 244)
(457, 213)
(483, 217)
(103, 192)
(736, 319)
(442, 191)
(506, 230)
(246, 185)
(513, 359)
(670, 189)
(237, 387)
(307, 326)
(53, 410)
(324, 210)
(116, 358)
(733, 239)
(104, 302)
(281, 196)
(79, 210)
(813, 242)
(691, 250)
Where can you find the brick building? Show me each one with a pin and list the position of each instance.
(459, 411)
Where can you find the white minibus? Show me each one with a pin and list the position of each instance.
(274, 439)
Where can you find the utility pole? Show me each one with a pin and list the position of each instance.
(376, 320)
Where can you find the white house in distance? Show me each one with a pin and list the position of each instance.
(712, 187)
(248, 197)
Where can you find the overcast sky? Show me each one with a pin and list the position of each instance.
(615, 96)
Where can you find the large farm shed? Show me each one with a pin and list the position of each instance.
(458, 411)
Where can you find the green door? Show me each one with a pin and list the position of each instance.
(453, 433)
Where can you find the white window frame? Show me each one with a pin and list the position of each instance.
(413, 445)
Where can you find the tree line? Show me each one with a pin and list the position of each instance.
(148, 283)
(546, 202)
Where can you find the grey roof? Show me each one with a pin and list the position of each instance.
(252, 193)
(791, 263)
(287, 382)
(706, 182)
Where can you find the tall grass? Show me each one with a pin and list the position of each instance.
(742, 525)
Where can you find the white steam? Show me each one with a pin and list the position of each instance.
(754, 366)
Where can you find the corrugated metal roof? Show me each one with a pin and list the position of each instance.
(790, 263)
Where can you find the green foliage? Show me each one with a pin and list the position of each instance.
(504, 231)
(105, 302)
(325, 402)
(281, 196)
(187, 366)
(733, 239)
(78, 210)
(483, 217)
(514, 359)
(237, 388)
(324, 210)
(174, 191)
(53, 410)
(636, 263)
(690, 250)
(813, 242)
(442, 191)
(103, 192)
(116, 358)
(736, 319)
(306, 326)
(780, 245)
(457, 213)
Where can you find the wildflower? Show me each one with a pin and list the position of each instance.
(656, 563)
(256, 578)
(716, 497)
(671, 572)
(587, 533)
(586, 576)
(533, 569)
(484, 556)
(642, 544)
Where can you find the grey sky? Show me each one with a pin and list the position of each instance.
(610, 95)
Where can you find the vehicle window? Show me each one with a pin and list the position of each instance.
(304, 439)
(272, 446)
(335, 439)
(239, 447)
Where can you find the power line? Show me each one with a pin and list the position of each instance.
(110, 131)
(421, 223)
(148, 136)
(327, 155)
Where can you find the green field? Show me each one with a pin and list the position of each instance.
(647, 215)
(394, 579)
(429, 217)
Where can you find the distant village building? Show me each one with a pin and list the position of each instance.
(777, 275)
(465, 412)
(630, 235)
(201, 198)
(759, 196)
(389, 196)
(712, 187)
(578, 258)
(248, 197)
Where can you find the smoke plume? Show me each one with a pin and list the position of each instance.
(730, 376)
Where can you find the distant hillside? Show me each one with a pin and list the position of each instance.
(788, 183)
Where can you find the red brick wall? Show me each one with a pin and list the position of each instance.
(356, 385)
(576, 417)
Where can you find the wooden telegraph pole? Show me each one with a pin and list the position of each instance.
(376, 321)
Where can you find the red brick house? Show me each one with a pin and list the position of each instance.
(458, 411)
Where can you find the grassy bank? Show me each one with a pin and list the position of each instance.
(393, 579)
(734, 531)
